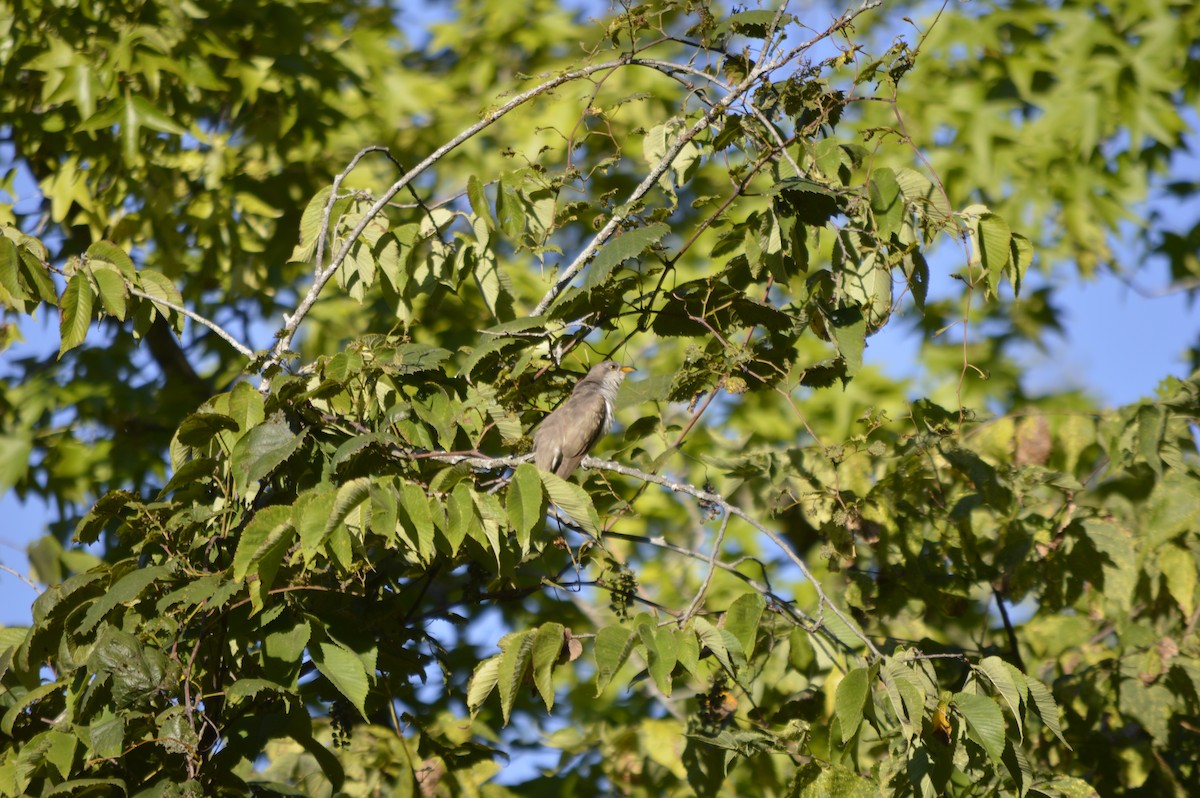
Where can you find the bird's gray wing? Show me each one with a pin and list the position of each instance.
(566, 435)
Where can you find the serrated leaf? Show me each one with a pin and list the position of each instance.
(887, 206)
(10, 280)
(661, 654)
(108, 252)
(742, 618)
(350, 495)
(250, 687)
(1046, 708)
(199, 428)
(114, 294)
(261, 450)
(906, 693)
(345, 670)
(547, 645)
(850, 699)
(985, 722)
(516, 654)
(267, 526)
(621, 248)
(1004, 677)
(524, 503)
(723, 645)
(126, 591)
(478, 200)
(1178, 567)
(994, 240)
(310, 226)
(75, 312)
(571, 499)
(417, 519)
(484, 679)
(923, 194)
(159, 287)
(611, 649)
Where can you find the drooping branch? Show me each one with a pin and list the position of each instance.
(735, 93)
(242, 349)
(733, 509)
(292, 322)
(478, 460)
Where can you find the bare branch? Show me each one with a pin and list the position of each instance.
(322, 277)
(728, 507)
(243, 350)
(478, 460)
(658, 171)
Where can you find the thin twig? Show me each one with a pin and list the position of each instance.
(21, 576)
(712, 569)
(322, 277)
(482, 461)
(717, 499)
(243, 350)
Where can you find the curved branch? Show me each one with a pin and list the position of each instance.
(243, 350)
(728, 507)
(478, 460)
(292, 323)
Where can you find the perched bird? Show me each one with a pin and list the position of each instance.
(566, 435)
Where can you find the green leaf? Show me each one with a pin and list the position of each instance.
(19, 706)
(139, 672)
(723, 645)
(114, 294)
(525, 503)
(310, 226)
(345, 670)
(1010, 683)
(742, 618)
(994, 240)
(268, 526)
(350, 496)
(478, 200)
(887, 205)
(75, 305)
(516, 654)
(148, 115)
(159, 287)
(201, 427)
(10, 280)
(1178, 566)
(929, 200)
(985, 723)
(108, 252)
(849, 330)
(127, 590)
(850, 699)
(417, 520)
(261, 450)
(612, 647)
(250, 687)
(906, 692)
(484, 679)
(1046, 708)
(621, 248)
(571, 499)
(687, 650)
(547, 645)
(661, 654)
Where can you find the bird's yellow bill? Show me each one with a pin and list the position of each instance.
(627, 369)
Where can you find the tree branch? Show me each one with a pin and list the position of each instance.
(243, 350)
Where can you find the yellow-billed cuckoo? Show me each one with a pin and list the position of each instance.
(566, 435)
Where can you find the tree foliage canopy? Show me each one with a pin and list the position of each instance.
(321, 563)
